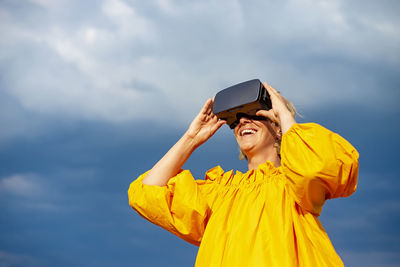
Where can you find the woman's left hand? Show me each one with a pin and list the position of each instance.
(279, 112)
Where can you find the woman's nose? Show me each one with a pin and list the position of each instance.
(243, 120)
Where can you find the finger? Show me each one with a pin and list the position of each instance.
(215, 119)
(214, 116)
(262, 112)
(210, 107)
(207, 107)
(269, 90)
(265, 113)
(266, 85)
(218, 120)
(278, 101)
(272, 91)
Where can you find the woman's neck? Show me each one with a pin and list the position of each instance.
(255, 160)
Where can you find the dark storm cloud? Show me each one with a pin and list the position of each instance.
(93, 93)
(77, 59)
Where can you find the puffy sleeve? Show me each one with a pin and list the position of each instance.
(179, 207)
(318, 165)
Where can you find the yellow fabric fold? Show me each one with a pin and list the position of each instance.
(177, 207)
(264, 217)
(318, 164)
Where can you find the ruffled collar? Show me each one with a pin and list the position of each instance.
(264, 172)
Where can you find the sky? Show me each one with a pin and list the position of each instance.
(93, 93)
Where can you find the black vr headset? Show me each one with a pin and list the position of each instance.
(243, 99)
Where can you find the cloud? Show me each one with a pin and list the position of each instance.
(130, 24)
(63, 189)
(27, 192)
(8, 259)
(121, 61)
(20, 184)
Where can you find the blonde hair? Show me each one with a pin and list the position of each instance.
(277, 144)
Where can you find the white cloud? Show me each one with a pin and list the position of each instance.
(94, 85)
(20, 184)
(317, 17)
(130, 60)
(130, 24)
(50, 4)
(167, 6)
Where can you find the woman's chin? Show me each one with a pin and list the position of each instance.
(246, 149)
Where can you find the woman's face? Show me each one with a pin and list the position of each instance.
(255, 136)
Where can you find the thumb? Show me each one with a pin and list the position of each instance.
(218, 125)
(270, 114)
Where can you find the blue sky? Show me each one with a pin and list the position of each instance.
(93, 93)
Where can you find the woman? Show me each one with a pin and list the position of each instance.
(265, 217)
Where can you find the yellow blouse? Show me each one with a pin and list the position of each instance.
(264, 217)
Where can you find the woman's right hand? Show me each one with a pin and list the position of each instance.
(204, 125)
(279, 112)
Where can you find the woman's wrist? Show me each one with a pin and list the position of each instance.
(189, 141)
(286, 122)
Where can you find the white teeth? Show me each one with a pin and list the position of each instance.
(247, 131)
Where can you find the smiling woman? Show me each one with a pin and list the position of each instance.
(267, 216)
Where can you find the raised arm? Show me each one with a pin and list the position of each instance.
(204, 125)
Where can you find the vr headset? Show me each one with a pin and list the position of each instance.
(243, 99)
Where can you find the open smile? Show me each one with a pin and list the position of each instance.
(247, 131)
